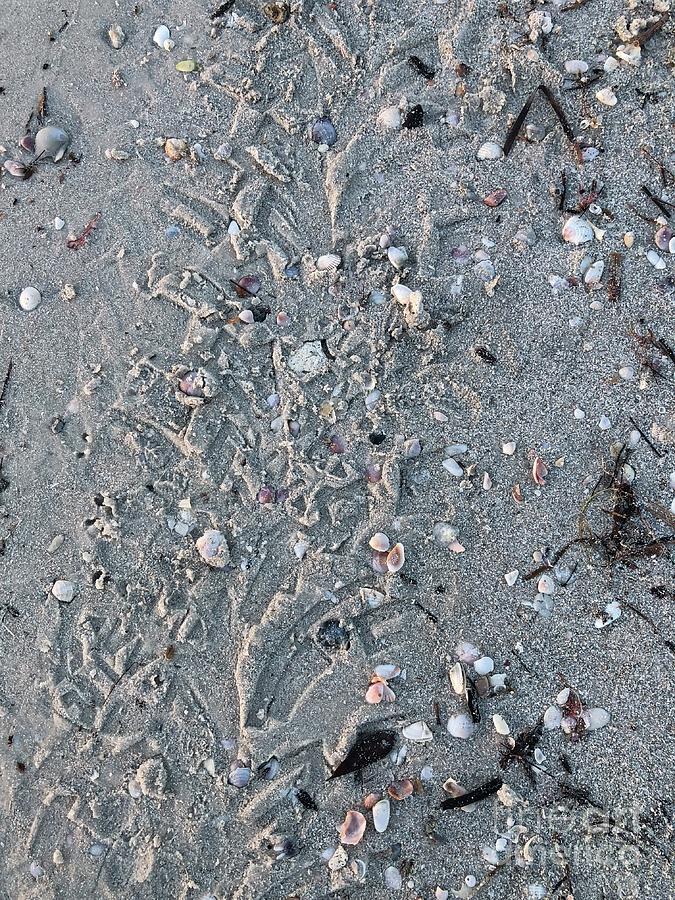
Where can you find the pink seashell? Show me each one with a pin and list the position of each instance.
(396, 558)
(380, 542)
(373, 473)
(539, 471)
(375, 693)
(456, 547)
(370, 801)
(379, 563)
(353, 828)
(399, 790)
(496, 198)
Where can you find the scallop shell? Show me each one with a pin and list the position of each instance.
(51, 142)
(460, 726)
(328, 262)
(381, 815)
(418, 733)
(489, 150)
(353, 828)
(396, 558)
(577, 231)
(29, 299)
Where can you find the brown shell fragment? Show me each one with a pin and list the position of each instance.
(353, 828)
(539, 471)
(495, 198)
(400, 790)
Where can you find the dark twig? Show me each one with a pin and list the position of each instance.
(644, 437)
(8, 375)
(663, 205)
(553, 102)
(664, 171)
(614, 278)
(643, 36)
(479, 793)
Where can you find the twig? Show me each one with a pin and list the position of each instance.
(642, 37)
(663, 169)
(5, 382)
(645, 438)
(514, 131)
(662, 204)
(78, 242)
(614, 279)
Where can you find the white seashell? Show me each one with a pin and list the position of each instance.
(484, 269)
(161, 36)
(239, 776)
(64, 591)
(576, 66)
(594, 272)
(577, 231)
(489, 150)
(629, 53)
(51, 142)
(338, 859)
(457, 677)
(401, 293)
(460, 726)
(444, 534)
(308, 360)
(453, 467)
(552, 718)
(604, 423)
(116, 36)
(546, 585)
(456, 449)
(328, 262)
(389, 118)
(656, 260)
(418, 732)
(595, 718)
(381, 814)
(539, 756)
(509, 448)
(501, 725)
(387, 671)
(484, 665)
(627, 373)
(441, 894)
(467, 652)
(497, 681)
(629, 239)
(213, 549)
(606, 96)
(511, 577)
(398, 256)
(563, 697)
(487, 481)
(29, 299)
(671, 245)
(58, 224)
(380, 542)
(393, 878)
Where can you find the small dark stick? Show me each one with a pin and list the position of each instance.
(614, 280)
(642, 37)
(563, 191)
(663, 205)
(8, 375)
(479, 793)
(78, 242)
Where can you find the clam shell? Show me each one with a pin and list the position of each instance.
(375, 693)
(546, 585)
(381, 815)
(387, 671)
(577, 230)
(453, 467)
(396, 558)
(400, 790)
(484, 665)
(161, 36)
(489, 150)
(29, 299)
(457, 677)
(657, 261)
(328, 262)
(595, 718)
(500, 724)
(418, 733)
(239, 775)
(606, 96)
(663, 237)
(353, 828)
(51, 142)
(15, 169)
(552, 718)
(460, 726)
(594, 272)
(64, 591)
(576, 66)
(379, 541)
(398, 256)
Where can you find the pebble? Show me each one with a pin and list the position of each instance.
(579, 413)
(64, 591)
(29, 299)
(116, 36)
(509, 448)
(606, 96)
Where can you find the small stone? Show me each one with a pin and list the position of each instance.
(511, 577)
(606, 96)
(116, 36)
(509, 448)
(176, 148)
(29, 299)
(453, 467)
(484, 665)
(213, 549)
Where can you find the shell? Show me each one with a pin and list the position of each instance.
(162, 36)
(456, 449)
(484, 665)
(576, 66)
(64, 591)
(460, 726)
(552, 718)
(577, 231)
(398, 256)
(595, 718)
(328, 262)
(213, 549)
(323, 132)
(393, 878)
(381, 815)
(453, 467)
(444, 534)
(277, 13)
(546, 585)
(457, 677)
(389, 118)
(663, 237)
(116, 36)
(500, 724)
(495, 198)
(15, 169)
(401, 790)
(418, 733)
(509, 448)
(511, 577)
(657, 261)
(379, 691)
(594, 272)
(396, 558)
(489, 150)
(387, 671)
(240, 775)
(176, 148)
(466, 652)
(353, 828)
(51, 142)
(379, 541)
(29, 299)
(606, 96)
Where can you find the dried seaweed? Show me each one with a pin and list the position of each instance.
(79, 242)
(369, 747)
(421, 67)
(5, 382)
(221, 9)
(522, 751)
(474, 796)
(553, 102)
(614, 276)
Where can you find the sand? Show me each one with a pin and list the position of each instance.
(125, 704)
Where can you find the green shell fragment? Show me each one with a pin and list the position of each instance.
(186, 65)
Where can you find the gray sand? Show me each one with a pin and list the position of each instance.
(123, 710)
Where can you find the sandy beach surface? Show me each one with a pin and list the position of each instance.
(337, 445)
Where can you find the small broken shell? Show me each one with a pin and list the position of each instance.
(453, 467)
(380, 542)
(323, 132)
(396, 558)
(546, 585)
(213, 549)
(162, 37)
(418, 733)
(539, 471)
(51, 142)
(606, 96)
(595, 718)
(398, 256)
(484, 665)
(500, 724)
(495, 198)
(552, 718)
(353, 828)
(400, 790)
(387, 671)
(466, 652)
(489, 150)
(457, 677)
(116, 36)
(176, 148)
